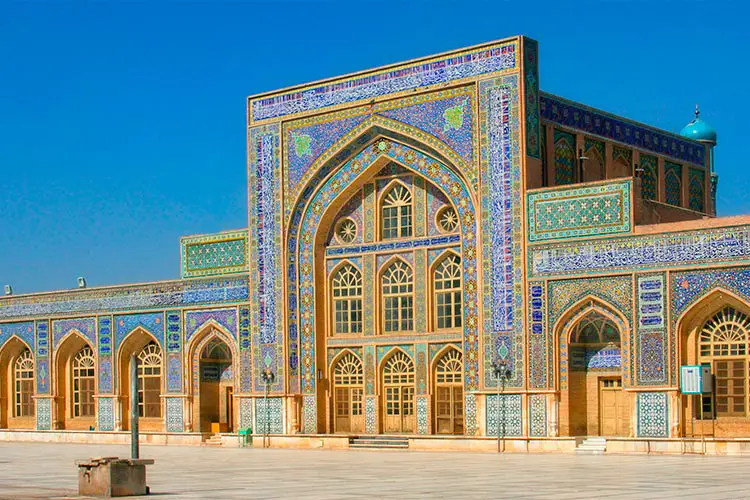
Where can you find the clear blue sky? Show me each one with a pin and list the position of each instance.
(122, 126)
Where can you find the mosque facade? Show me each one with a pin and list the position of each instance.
(436, 250)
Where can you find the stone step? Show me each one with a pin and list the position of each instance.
(379, 446)
(379, 442)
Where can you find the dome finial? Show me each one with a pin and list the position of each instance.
(697, 111)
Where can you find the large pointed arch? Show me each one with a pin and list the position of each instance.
(313, 221)
(358, 138)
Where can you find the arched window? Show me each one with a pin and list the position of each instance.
(398, 384)
(24, 385)
(396, 213)
(723, 344)
(398, 299)
(149, 381)
(348, 382)
(83, 383)
(449, 406)
(346, 288)
(447, 286)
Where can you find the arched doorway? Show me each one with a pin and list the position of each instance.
(716, 333)
(149, 383)
(594, 401)
(398, 394)
(449, 393)
(75, 368)
(214, 403)
(348, 390)
(16, 385)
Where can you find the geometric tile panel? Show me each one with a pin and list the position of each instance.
(268, 410)
(44, 414)
(653, 414)
(470, 414)
(423, 404)
(507, 413)
(309, 414)
(579, 117)
(105, 414)
(371, 415)
(582, 211)
(175, 418)
(214, 254)
(538, 415)
(246, 413)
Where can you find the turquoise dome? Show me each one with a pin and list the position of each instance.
(698, 130)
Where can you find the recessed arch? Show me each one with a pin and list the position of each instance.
(447, 377)
(590, 370)
(70, 378)
(133, 344)
(398, 401)
(719, 312)
(211, 391)
(347, 402)
(10, 352)
(312, 220)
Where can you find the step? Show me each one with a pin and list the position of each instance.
(380, 441)
(379, 446)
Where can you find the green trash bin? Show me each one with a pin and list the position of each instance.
(246, 437)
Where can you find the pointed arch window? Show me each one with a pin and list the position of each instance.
(724, 343)
(346, 288)
(396, 213)
(398, 298)
(447, 289)
(23, 373)
(149, 381)
(83, 383)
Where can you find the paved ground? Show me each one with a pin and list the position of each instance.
(47, 471)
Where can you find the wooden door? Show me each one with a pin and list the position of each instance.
(449, 409)
(614, 408)
(349, 415)
(230, 409)
(399, 409)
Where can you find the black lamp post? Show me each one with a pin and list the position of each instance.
(502, 374)
(268, 378)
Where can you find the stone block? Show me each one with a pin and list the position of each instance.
(112, 477)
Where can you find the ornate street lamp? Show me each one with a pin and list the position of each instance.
(502, 374)
(268, 378)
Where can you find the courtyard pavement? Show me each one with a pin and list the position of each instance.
(31, 470)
